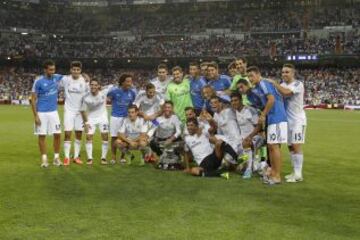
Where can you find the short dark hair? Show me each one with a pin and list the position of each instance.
(76, 64)
(195, 64)
(123, 77)
(289, 65)
(215, 97)
(189, 108)
(169, 102)
(149, 86)
(133, 106)
(243, 81)
(47, 63)
(236, 95)
(243, 59)
(94, 80)
(213, 64)
(193, 120)
(231, 65)
(176, 68)
(253, 69)
(162, 66)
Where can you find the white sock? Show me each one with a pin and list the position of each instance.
(292, 160)
(104, 149)
(67, 147)
(298, 163)
(56, 156)
(77, 147)
(89, 149)
(249, 153)
(44, 158)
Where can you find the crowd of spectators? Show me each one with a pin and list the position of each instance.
(27, 46)
(247, 20)
(322, 86)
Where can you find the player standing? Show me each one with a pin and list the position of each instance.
(273, 114)
(94, 114)
(121, 98)
(220, 83)
(75, 87)
(44, 107)
(162, 80)
(293, 92)
(197, 82)
(178, 92)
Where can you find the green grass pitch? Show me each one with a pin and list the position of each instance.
(132, 202)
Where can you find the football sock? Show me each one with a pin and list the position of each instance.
(89, 149)
(298, 163)
(104, 149)
(77, 147)
(249, 153)
(67, 147)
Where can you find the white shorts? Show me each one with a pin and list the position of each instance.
(115, 125)
(73, 121)
(277, 133)
(101, 122)
(50, 123)
(296, 134)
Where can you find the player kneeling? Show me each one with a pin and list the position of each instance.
(94, 114)
(198, 146)
(132, 135)
(166, 140)
(247, 119)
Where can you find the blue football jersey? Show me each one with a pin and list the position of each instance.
(46, 90)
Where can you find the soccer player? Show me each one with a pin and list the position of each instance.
(178, 92)
(168, 128)
(220, 83)
(203, 123)
(240, 65)
(44, 107)
(199, 147)
(293, 92)
(197, 82)
(247, 120)
(94, 114)
(273, 114)
(232, 70)
(203, 70)
(149, 103)
(132, 134)
(121, 98)
(162, 80)
(225, 124)
(207, 93)
(75, 87)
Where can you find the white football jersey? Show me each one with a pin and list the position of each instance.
(161, 86)
(227, 125)
(166, 127)
(199, 146)
(133, 129)
(247, 118)
(95, 105)
(294, 104)
(149, 106)
(74, 91)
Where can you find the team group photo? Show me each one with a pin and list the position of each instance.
(179, 119)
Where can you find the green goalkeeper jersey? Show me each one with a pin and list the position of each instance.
(233, 87)
(179, 94)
